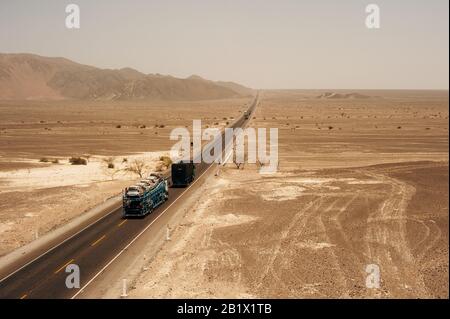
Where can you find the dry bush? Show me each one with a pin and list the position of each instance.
(109, 161)
(48, 160)
(238, 165)
(137, 167)
(166, 160)
(260, 164)
(77, 161)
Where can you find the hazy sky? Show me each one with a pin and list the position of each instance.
(262, 44)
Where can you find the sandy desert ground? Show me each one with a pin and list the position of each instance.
(362, 181)
(36, 197)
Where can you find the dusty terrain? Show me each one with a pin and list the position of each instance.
(36, 197)
(361, 182)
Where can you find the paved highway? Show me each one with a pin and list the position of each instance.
(93, 248)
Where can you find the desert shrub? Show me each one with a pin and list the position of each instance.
(138, 167)
(330, 127)
(77, 161)
(118, 126)
(124, 160)
(159, 167)
(55, 161)
(142, 126)
(44, 160)
(166, 160)
(399, 127)
(109, 161)
(162, 126)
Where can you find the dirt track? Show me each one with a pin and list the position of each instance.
(313, 237)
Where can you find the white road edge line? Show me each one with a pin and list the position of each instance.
(137, 236)
(59, 244)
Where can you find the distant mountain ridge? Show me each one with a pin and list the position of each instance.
(33, 77)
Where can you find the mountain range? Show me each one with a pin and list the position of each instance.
(33, 77)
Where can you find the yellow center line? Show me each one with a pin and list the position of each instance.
(98, 240)
(123, 222)
(24, 296)
(65, 265)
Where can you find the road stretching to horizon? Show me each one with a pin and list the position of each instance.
(93, 248)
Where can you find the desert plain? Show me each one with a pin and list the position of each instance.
(362, 181)
(40, 190)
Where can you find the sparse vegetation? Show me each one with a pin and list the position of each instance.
(137, 167)
(77, 161)
(166, 160)
(109, 161)
(48, 160)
